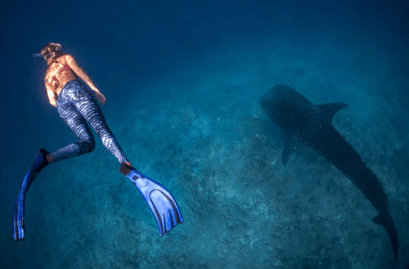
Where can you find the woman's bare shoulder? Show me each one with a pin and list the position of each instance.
(68, 57)
(71, 62)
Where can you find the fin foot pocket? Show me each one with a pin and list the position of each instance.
(125, 169)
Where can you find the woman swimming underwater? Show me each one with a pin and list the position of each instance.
(77, 106)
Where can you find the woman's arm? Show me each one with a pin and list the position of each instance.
(52, 97)
(81, 73)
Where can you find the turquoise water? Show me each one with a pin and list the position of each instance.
(183, 84)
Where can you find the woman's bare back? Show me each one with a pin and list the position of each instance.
(56, 78)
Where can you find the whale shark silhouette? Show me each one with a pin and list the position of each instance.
(311, 125)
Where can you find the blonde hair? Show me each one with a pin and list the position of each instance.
(51, 51)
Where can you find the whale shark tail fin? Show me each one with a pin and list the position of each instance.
(387, 222)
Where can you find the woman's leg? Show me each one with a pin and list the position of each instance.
(86, 104)
(86, 144)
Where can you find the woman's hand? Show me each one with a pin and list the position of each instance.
(101, 98)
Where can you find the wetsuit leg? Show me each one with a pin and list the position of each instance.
(85, 104)
(90, 110)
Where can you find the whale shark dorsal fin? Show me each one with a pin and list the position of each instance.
(328, 110)
(290, 144)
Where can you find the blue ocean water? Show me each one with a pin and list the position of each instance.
(183, 82)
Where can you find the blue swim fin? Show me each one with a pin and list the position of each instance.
(158, 198)
(18, 218)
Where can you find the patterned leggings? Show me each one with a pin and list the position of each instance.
(77, 106)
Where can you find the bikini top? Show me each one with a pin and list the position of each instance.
(65, 67)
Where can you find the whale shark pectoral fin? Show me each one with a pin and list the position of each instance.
(328, 110)
(290, 144)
